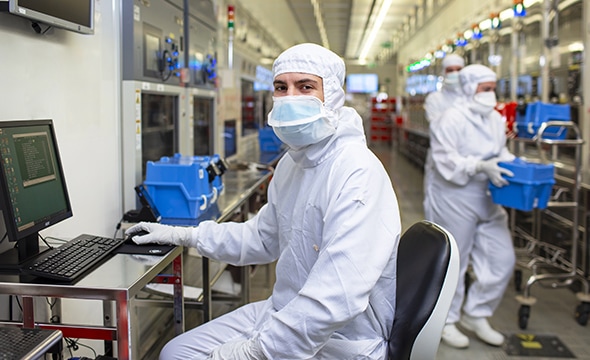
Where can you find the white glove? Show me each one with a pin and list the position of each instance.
(163, 234)
(493, 171)
(238, 350)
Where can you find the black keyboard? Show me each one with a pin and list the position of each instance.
(72, 259)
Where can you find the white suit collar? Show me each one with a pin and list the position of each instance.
(350, 129)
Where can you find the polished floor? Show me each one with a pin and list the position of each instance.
(552, 315)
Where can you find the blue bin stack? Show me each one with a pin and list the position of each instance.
(538, 113)
(184, 187)
(268, 140)
(529, 188)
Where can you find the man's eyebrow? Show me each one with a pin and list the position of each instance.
(307, 80)
(279, 82)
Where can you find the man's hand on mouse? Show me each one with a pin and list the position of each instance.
(163, 234)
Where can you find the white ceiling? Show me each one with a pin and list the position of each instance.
(347, 23)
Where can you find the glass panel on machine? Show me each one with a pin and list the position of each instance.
(202, 126)
(249, 108)
(158, 125)
(229, 136)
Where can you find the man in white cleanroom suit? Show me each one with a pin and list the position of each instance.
(331, 221)
(467, 143)
(437, 102)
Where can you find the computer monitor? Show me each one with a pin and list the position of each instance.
(33, 192)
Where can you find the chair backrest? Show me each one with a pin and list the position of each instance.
(427, 276)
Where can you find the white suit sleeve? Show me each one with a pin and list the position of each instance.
(247, 243)
(432, 108)
(360, 234)
(446, 139)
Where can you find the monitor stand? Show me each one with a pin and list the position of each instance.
(13, 259)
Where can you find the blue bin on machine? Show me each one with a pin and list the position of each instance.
(179, 187)
(529, 188)
(538, 113)
(215, 169)
(268, 140)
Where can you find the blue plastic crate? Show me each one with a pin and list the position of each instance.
(529, 188)
(216, 182)
(538, 113)
(180, 186)
(268, 140)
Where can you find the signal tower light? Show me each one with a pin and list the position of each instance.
(495, 19)
(519, 9)
(230, 17)
(477, 35)
(460, 40)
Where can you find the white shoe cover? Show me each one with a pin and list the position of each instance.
(453, 337)
(481, 327)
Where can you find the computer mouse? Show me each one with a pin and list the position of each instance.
(128, 237)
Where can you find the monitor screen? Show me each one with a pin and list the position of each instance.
(362, 83)
(74, 15)
(33, 192)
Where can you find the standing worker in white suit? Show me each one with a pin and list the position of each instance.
(332, 223)
(437, 102)
(467, 143)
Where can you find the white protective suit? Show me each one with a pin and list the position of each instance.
(333, 223)
(459, 200)
(437, 102)
(435, 105)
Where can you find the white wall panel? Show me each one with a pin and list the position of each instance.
(74, 80)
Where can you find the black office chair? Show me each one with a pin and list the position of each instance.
(427, 276)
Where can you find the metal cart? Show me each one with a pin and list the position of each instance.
(551, 265)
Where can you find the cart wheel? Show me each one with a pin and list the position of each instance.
(518, 280)
(582, 312)
(523, 316)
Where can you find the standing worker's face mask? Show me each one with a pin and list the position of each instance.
(452, 79)
(300, 120)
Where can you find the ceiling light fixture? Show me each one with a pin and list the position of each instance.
(376, 27)
(317, 12)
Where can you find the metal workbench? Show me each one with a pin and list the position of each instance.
(122, 277)
(119, 279)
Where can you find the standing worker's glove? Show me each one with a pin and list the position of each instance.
(493, 171)
(163, 234)
(238, 350)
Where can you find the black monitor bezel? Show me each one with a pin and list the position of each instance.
(14, 234)
(16, 7)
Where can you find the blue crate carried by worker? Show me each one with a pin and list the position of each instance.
(529, 188)
(183, 187)
(538, 113)
(268, 140)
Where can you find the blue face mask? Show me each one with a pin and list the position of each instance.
(300, 120)
(299, 136)
(452, 79)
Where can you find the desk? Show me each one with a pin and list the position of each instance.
(118, 279)
(123, 276)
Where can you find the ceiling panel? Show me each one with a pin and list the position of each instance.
(347, 22)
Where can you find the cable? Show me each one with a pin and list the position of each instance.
(117, 228)
(19, 305)
(4, 237)
(35, 25)
(75, 345)
(163, 64)
(46, 243)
